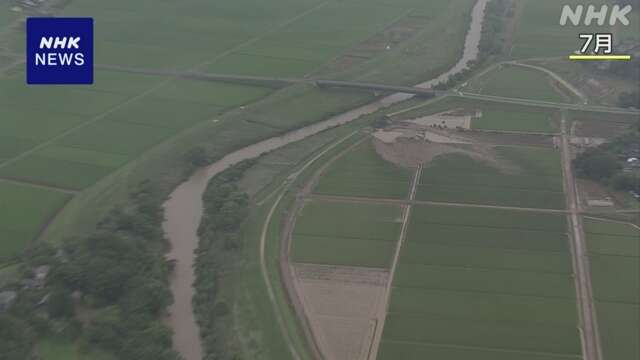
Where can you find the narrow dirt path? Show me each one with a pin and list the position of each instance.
(384, 305)
(587, 314)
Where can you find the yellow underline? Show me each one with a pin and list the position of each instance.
(600, 57)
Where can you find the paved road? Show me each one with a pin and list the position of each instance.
(588, 321)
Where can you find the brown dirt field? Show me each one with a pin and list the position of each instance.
(342, 304)
(411, 153)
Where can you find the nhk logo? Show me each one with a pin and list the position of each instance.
(578, 16)
(59, 51)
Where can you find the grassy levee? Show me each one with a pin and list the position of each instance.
(532, 178)
(519, 82)
(346, 234)
(483, 284)
(254, 318)
(614, 254)
(495, 117)
(362, 172)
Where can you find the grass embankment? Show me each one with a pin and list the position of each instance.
(239, 284)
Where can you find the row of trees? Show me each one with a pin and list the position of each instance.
(226, 208)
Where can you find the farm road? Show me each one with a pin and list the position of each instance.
(384, 305)
(588, 320)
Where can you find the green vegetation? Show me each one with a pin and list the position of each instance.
(346, 234)
(539, 33)
(24, 210)
(495, 116)
(518, 82)
(530, 177)
(226, 208)
(362, 172)
(614, 255)
(105, 291)
(608, 163)
(485, 284)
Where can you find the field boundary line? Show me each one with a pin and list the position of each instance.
(384, 305)
(40, 186)
(357, 199)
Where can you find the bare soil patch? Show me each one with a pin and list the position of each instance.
(411, 153)
(342, 305)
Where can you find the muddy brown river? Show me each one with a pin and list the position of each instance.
(183, 210)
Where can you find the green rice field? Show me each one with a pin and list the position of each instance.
(24, 210)
(614, 255)
(353, 234)
(482, 284)
(362, 172)
(531, 177)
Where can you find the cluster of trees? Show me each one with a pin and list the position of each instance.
(118, 272)
(225, 209)
(604, 163)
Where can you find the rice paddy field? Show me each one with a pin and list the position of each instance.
(335, 233)
(494, 116)
(614, 255)
(518, 82)
(24, 211)
(483, 284)
(539, 33)
(362, 172)
(531, 177)
(71, 138)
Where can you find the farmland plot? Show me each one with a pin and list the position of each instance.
(346, 234)
(481, 286)
(24, 210)
(361, 172)
(529, 178)
(614, 254)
